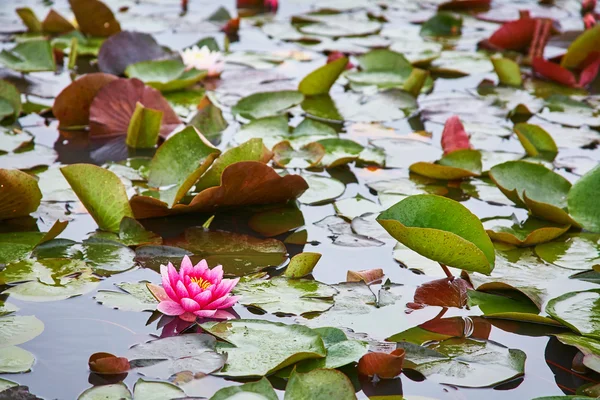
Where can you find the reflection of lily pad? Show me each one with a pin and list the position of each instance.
(575, 251)
(578, 311)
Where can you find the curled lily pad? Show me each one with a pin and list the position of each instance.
(144, 127)
(10, 100)
(101, 192)
(256, 348)
(242, 183)
(536, 141)
(20, 194)
(320, 80)
(165, 75)
(281, 295)
(459, 164)
(115, 102)
(508, 71)
(529, 233)
(532, 185)
(260, 105)
(30, 56)
(302, 264)
(582, 203)
(437, 228)
(588, 346)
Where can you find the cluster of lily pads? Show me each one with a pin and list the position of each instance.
(502, 213)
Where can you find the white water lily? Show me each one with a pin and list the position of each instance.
(212, 61)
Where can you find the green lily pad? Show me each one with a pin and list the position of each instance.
(29, 56)
(178, 163)
(309, 155)
(10, 100)
(536, 141)
(320, 384)
(86, 46)
(581, 47)
(114, 391)
(133, 297)
(502, 305)
(239, 254)
(575, 251)
(165, 75)
(508, 71)
(48, 270)
(321, 189)
(322, 79)
(442, 230)
(465, 362)
(565, 110)
(259, 348)
(531, 232)
(252, 150)
(6, 384)
(457, 62)
(185, 103)
(578, 311)
(14, 360)
(581, 199)
(40, 292)
(532, 185)
(339, 152)
(149, 390)
(266, 104)
(162, 358)
(261, 388)
(271, 130)
(301, 265)
(459, 164)
(209, 119)
(354, 207)
(7, 308)
(442, 24)
(20, 194)
(144, 127)
(101, 192)
(589, 347)
(17, 329)
(280, 295)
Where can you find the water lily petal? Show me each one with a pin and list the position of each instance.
(193, 289)
(180, 290)
(186, 267)
(173, 275)
(223, 302)
(170, 308)
(216, 274)
(225, 287)
(205, 313)
(164, 272)
(189, 305)
(204, 298)
(188, 316)
(222, 314)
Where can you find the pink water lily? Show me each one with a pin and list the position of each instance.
(195, 291)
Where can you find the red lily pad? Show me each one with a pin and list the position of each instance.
(72, 106)
(514, 35)
(553, 72)
(454, 136)
(446, 292)
(243, 183)
(126, 48)
(109, 364)
(95, 18)
(113, 106)
(384, 365)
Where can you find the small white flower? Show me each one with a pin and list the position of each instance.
(212, 61)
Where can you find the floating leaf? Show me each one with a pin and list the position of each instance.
(101, 192)
(262, 388)
(40, 292)
(446, 292)
(589, 347)
(265, 104)
(30, 56)
(239, 254)
(442, 24)
(14, 360)
(368, 276)
(320, 384)
(20, 194)
(281, 295)
(17, 329)
(256, 348)
(126, 48)
(459, 164)
(442, 230)
(339, 152)
(10, 100)
(460, 63)
(508, 71)
(576, 310)
(536, 141)
(384, 365)
(149, 390)
(308, 156)
(106, 363)
(581, 200)
(302, 264)
(178, 163)
(144, 127)
(134, 297)
(543, 191)
(113, 391)
(321, 189)
(531, 232)
(72, 105)
(575, 251)
(252, 150)
(355, 206)
(49, 270)
(322, 79)
(465, 362)
(114, 104)
(242, 183)
(165, 75)
(162, 358)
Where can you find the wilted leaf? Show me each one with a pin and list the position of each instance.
(20, 194)
(106, 363)
(384, 365)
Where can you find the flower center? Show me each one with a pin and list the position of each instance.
(203, 283)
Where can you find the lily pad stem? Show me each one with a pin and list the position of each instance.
(447, 271)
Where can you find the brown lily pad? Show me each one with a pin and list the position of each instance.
(72, 105)
(95, 18)
(113, 106)
(56, 24)
(384, 365)
(242, 184)
(109, 364)
(446, 292)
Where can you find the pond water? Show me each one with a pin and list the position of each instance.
(77, 327)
